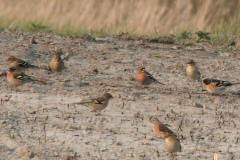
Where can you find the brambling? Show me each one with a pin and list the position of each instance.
(19, 64)
(159, 128)
(215, 86)
(17, 78)
(171, 143)
(97, 104)
(56, 63)
(145, 78)
(192, 71)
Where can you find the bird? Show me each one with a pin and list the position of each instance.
(97, 104)
(172, 143)
(19, 64)
(193, 71)
(145, 78)
(56, 63)
(17, 78)
(215, 86)
(159, 128)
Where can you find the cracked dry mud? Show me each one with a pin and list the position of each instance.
(206, 125)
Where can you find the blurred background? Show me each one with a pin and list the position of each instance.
(140, 17)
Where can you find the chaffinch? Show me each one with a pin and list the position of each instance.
(97, 104)
(17, 78)
(56, 63)
(171, 143)
(159, 128)
(145, 78)
(19, 64)
(192, 71)
(215, 86)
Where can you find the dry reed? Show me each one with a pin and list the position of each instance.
(138, 16)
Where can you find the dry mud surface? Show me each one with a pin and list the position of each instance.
(206, 125)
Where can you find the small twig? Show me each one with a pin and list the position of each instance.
(123, 104)
(73, 120)
(155, 31)
(179, 126)
(189, 95)
(26, 118)
(234, 124)
(11, 24)
(231, 115)
(35, 119)
(44, 130)
(9, 98)
(75, 156)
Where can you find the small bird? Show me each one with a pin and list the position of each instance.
(215, 86)
(97, 104)
(56, 63)
(19, 64)
(17, 78)
(192, 71)
(171, 143)
(145, 78)
(159, 128)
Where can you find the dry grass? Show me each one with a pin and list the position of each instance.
(139, 17)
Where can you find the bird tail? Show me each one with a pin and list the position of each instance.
(159, 82)
(235, 83)
(83, 102)
(33, 66)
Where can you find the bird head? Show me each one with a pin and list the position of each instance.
(107, 95)
(141, 70)
(12, 69)
(155, 121)
(11, 59)
(191, 62)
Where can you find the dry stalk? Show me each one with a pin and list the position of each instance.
(44, 130)
(26, 118)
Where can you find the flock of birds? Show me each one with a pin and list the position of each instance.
(16, 78)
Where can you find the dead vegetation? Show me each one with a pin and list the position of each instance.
(140, 17)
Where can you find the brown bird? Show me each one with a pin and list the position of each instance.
(171, 143)
(56, 63)
(17, 78)
(97, 104)
(145, 78)
(159, 128)
(193, 71)
(19, 64)
(215, 86)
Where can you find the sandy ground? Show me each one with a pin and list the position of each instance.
(206, 125)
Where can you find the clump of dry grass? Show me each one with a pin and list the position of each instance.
(140, 17)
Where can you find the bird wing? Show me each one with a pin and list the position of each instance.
(22, 63)
(25, 64)
(22, 76)
(99, 100)
(150, 76)
(164, 128)
(219, 83)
